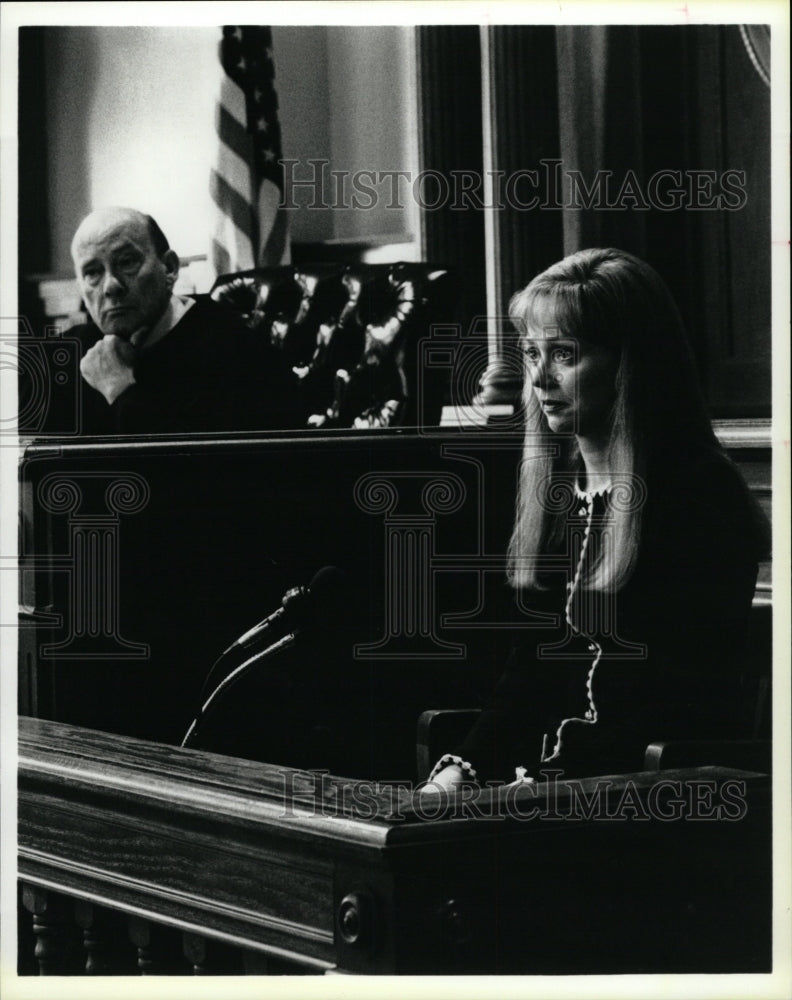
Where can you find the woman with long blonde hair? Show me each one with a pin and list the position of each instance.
(635, 544)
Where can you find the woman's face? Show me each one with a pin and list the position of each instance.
(573, 380)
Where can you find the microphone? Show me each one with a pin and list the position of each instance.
(319, 602)
(298, 606)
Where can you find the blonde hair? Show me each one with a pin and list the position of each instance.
(605, 297)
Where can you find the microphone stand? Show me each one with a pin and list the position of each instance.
(227, 682)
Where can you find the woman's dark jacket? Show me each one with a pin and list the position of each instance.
(673, 639)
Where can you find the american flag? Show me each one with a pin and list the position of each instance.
(247, 181)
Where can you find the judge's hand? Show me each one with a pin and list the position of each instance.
(108, 366)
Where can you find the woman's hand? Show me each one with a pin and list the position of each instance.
(444, 781)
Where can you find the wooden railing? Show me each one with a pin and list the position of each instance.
(141, 858)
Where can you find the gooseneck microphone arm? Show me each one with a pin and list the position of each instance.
(301, 607)
(236, 674)
(298, 607)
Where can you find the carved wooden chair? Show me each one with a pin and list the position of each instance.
(351, 336)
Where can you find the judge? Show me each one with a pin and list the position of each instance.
(153, 361)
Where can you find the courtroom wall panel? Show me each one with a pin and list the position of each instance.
(143, 560)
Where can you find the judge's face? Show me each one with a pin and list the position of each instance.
(125, 284)
(574, 382)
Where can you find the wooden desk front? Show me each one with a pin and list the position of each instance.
(663, 872)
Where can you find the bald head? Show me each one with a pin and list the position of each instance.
(115, 215)
(124, 268)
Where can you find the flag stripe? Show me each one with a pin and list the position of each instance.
(232, 203)
(232, 99)
(272, 220)
(237, 244)
(277, 242)
(236, 241)
(221, 258)
(233, 135)
(236, 172)
(246, 182)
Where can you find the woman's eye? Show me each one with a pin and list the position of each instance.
(563, 354)
(532, 356)
(91, 275)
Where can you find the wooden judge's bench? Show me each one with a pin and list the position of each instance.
(289, 840)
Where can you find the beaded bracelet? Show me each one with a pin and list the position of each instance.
(450, 758)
